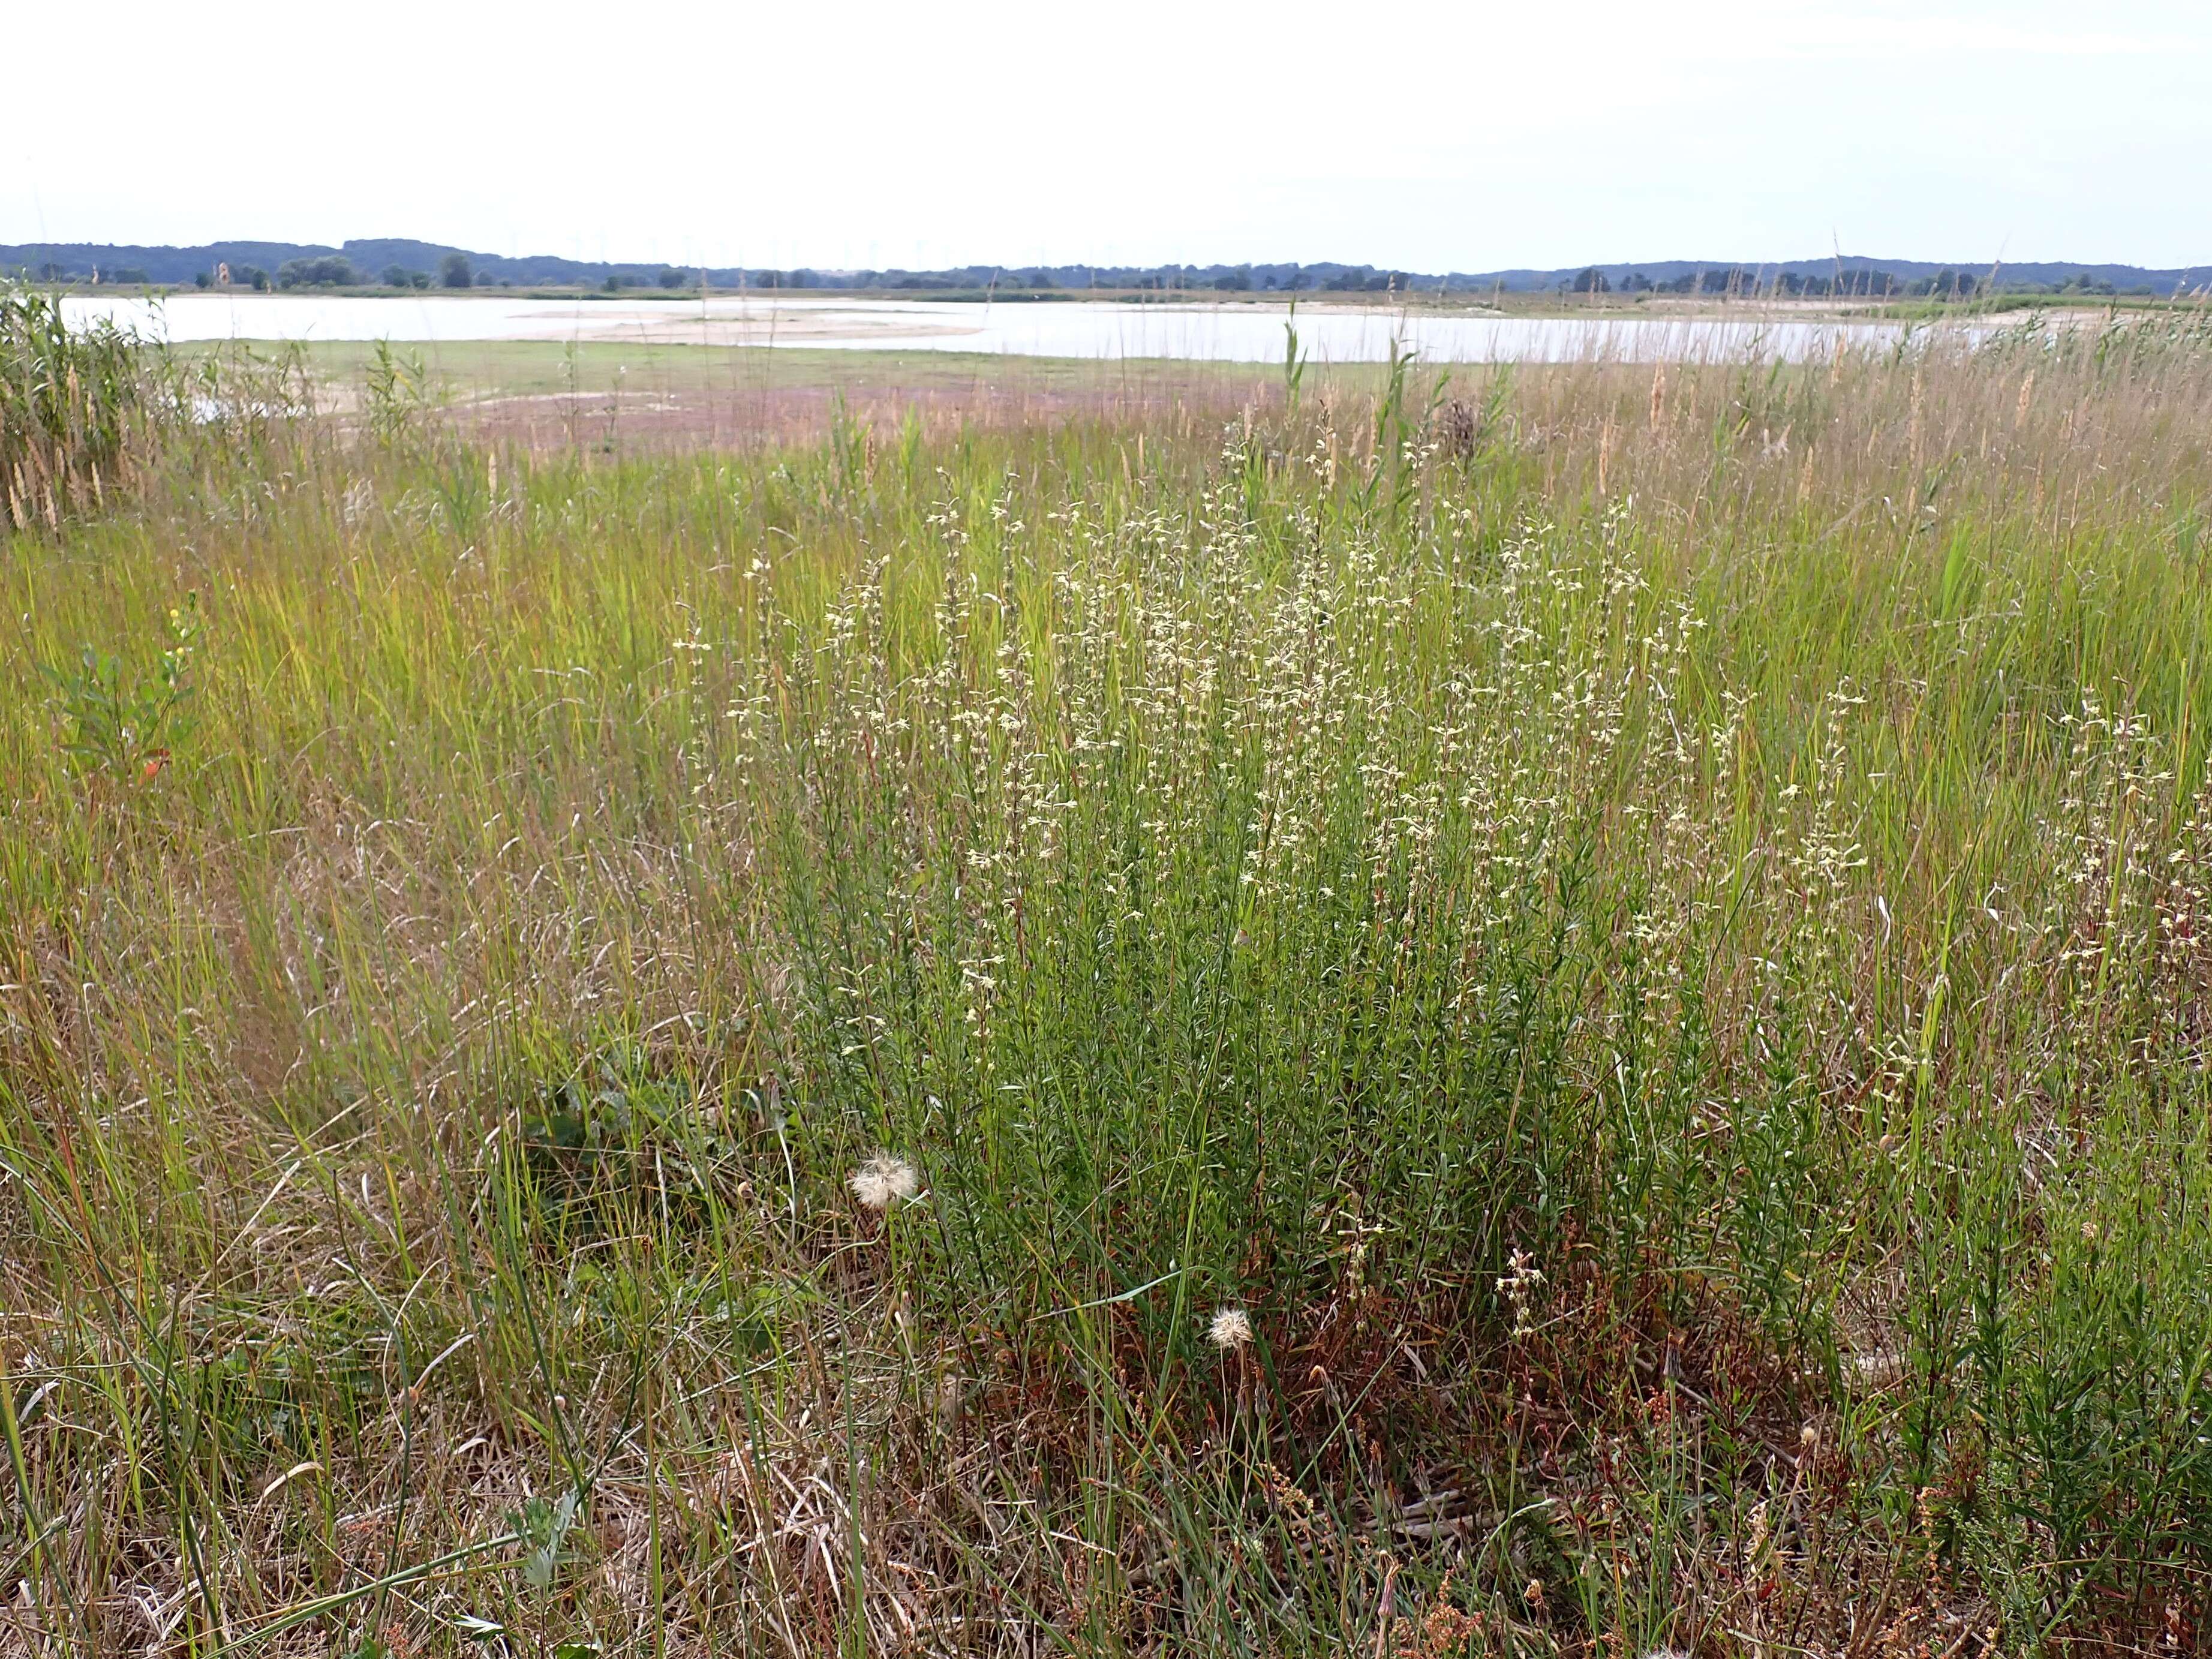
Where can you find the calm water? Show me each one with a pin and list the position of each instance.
(1237, 333)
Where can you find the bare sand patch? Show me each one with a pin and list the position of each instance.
(752, 323)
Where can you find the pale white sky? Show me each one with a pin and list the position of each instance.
(1421, 135)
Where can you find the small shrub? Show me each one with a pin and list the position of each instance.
(126, 731)
(620, 1138)
(398, 390)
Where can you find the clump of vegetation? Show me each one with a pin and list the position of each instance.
(324, 270)
(122, 724)
(1567, 1019)
(92, 416)
(70, 399)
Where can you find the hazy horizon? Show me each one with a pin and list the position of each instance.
(1719, 261)
(1461, 138)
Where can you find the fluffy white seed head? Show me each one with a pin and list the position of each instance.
(884, 1181)
(1230, 1327)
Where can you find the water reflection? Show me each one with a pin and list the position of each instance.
(1221, 334)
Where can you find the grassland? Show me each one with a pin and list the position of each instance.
(621, 398)
(1563, 1013)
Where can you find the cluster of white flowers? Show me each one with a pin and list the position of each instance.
(1523, 1278)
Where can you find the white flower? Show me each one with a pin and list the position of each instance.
(1231, 1327)
(1523, 1278)
(882, 1180)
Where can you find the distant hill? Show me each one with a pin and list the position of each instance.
(370, 259)
(425, 263)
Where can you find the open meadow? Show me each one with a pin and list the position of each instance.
(1560, 1010)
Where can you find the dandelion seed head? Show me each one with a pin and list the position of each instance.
(1230, 1327)
(882, 1181)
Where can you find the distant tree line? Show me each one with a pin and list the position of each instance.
(1946, 284)
(1752, 283)
(332, 271)
(668, 276)
(412, 266)
(251, 277)
(51, 272)
(335, 271)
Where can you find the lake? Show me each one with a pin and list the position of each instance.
(1198, 331)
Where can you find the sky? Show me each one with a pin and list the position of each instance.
(1427, 136)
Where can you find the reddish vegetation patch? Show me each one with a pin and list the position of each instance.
(765, 416)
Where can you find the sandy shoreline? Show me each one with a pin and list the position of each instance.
(756, 325)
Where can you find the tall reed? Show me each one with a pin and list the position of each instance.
(69, 398)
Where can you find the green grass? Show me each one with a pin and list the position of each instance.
(1646, 929)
